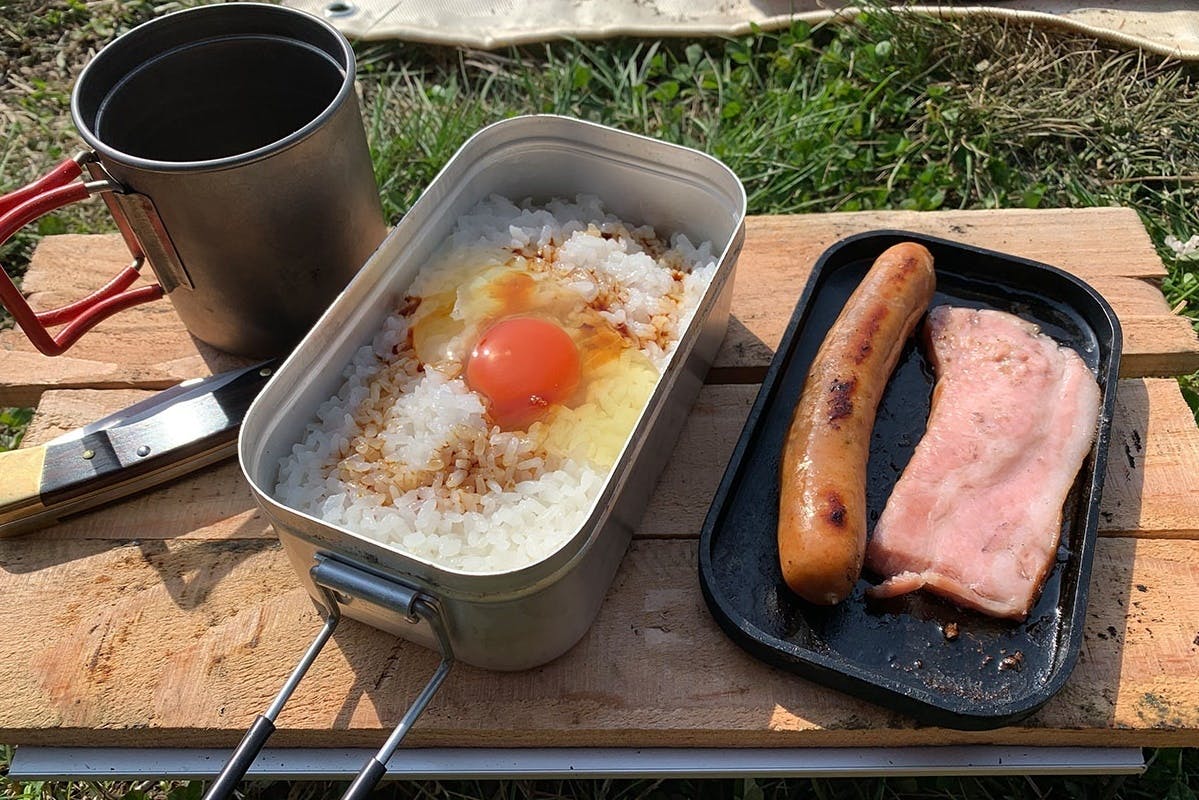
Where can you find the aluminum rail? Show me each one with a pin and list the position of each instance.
(99, 763)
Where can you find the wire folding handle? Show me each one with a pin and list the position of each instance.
(18, 208)
(340, 584)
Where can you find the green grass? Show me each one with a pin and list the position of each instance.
(42, 47)
(887, 113)
(838, 119)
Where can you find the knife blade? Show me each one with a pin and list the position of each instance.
(165, 436)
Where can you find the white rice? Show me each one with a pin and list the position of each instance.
(404, 453)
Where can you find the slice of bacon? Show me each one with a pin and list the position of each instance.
(976, 515)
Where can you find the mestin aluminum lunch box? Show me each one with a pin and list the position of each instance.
(518, 619)
(986, 672)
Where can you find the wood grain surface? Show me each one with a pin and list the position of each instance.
(146, 347)
(182, 642)
(172, 618)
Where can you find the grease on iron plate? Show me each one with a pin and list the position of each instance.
(479, 425)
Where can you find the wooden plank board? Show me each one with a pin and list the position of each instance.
(1108, 247)
(1152, 477)
(172, 618)
(147, 347)
(1152, 483)
(1089, 242)
(182, 642)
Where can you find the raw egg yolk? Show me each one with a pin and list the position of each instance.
(523, 365)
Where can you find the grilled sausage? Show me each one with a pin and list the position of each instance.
(822, 507)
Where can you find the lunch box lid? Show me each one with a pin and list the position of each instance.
(896, 653)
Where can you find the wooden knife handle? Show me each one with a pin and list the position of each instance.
(21, 484)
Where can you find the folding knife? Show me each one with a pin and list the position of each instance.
(167, 435)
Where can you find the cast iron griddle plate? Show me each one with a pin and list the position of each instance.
(895, 652)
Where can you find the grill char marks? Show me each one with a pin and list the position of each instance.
(862, 344)
(840, 401)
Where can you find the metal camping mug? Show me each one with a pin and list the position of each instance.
(228, 144)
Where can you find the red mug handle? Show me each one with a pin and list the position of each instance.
(53, 190)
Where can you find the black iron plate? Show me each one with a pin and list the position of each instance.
(896, 652)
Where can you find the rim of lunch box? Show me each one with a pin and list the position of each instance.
(452, 582)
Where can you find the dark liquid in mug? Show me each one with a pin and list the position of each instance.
(218, 98)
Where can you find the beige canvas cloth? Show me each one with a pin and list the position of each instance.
(1168, 27)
